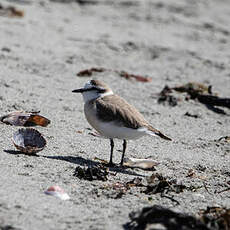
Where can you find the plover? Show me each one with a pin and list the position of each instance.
(112, 117)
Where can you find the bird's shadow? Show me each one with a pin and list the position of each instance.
(17, 152)
(78, 160)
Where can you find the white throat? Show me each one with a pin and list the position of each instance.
(93, 94)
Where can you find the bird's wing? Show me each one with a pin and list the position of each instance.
(114, 108)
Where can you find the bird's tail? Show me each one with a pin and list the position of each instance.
(153, 132)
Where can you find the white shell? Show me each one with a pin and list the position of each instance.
(139, 163)
(58, 192)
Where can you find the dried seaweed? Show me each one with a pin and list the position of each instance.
(121, 188)
(159, 184)
(92, 173)
(168, 219)
(191, 115)
(216, 218)
(134, 76)
(11, 11)
(124, 74)
(165, 97)
(89, 72)
(195, 91)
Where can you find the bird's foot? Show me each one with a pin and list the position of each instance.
(111, 164)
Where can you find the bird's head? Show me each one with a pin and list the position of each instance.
(94, 89)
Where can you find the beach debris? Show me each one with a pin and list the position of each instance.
(146, 164)
(218, 217)
(28, 140)
(188, 114)
(194, 87)
(225, 139)
(121, 188)
(10, 11)
(159, 184)
(8, 227)
(159, 217)
(195, 91)
(134, 76)
(22, 118)
(165, 97)
(121, 73)
(80, 131)
(102, 161)
(89, 72)
(191, 173)
(57, 192)
(95, 134)
(99, 172)
(227, 184)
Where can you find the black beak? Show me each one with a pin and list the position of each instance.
(78, 90)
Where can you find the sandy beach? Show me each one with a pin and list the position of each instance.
(171, 42)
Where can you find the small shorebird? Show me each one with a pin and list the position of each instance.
(113, 117)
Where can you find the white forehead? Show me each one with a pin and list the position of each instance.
(88, 85)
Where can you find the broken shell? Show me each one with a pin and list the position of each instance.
(29, 140)
(139, 163)
(21, 118)
(58, 192)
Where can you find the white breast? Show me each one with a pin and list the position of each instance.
(110, 129)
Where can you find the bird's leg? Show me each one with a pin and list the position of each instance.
(123, 153)
(111, 153)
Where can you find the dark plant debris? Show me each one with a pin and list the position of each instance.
(121, 188)
(124, 74)
(98, 172)
(159, 184)
(195, 91)
(10, 11)
(225, 139)
(165, 97)
(216, 218)
(191, 115)
(168, 219)
(89, 72)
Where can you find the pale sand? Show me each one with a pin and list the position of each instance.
(173, 42)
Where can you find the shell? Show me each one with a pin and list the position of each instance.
(29, 140)
(140, 163)
(21, 118)
(58, 192)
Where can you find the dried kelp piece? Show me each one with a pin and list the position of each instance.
(195, 87)
(21, 118)
(134, 76)
(124, 74)
(146, 164)
(29, 140)
(196, 91)
(166, 97)
(121, 188)
(168, 219)
(218, 217)
(89, 72)
(191, 173)
(159, 184)
(98, 172)
(188, 114)
(57, 192)
(11, 11)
